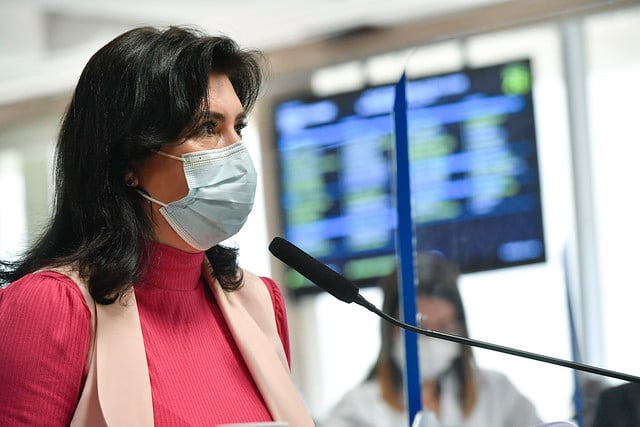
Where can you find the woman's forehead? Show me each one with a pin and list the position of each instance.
(436, 307)
(222, 97)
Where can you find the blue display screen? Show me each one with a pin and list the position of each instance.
(474, 173)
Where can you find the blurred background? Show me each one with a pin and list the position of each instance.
(583, 59)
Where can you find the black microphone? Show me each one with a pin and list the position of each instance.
(324, 277)
(345, 290)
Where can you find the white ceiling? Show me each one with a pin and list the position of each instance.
(260, 23)
(45, 43)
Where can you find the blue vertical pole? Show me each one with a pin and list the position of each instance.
(406, 239)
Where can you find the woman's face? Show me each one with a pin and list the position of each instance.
(163, 178)
(437, 314)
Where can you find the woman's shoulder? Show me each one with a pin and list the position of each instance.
(490, 375)
(251, 277)
(361, 395)
(254, 286)
(369, 390)
(44, 338)
(363, 405)
(496, 386)
(496, 381)
(274, 291)
(259, 284)
(43, 289)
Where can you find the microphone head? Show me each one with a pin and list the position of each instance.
(318, 273)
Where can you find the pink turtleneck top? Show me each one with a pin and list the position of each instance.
(198, 376)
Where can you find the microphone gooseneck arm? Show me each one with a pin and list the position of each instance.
(494, 347)
(345, 290)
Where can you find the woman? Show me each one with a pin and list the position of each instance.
(127, 311)
(453, 388)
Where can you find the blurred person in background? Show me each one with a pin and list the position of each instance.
(454, 389)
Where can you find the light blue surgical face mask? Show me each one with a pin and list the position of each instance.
(222, 186)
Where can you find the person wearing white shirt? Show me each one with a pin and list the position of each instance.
(455, 391)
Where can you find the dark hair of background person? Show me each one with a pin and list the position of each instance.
(146, 88)
(437, 278)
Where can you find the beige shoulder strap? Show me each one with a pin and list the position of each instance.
(117, 391)
(250, 316)
(124, 387)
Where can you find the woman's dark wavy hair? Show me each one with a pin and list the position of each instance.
(145, 88)
(437, 278)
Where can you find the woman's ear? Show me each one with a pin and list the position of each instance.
(130, 178)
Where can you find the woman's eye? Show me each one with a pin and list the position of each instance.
(207, 129)
(240, 127)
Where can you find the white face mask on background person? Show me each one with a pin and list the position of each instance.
(435, 356)
(222, 186)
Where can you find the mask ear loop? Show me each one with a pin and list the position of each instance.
(171, 156)
(148, 197)
(151, 199)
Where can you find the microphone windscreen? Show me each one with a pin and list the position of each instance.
(318, 273)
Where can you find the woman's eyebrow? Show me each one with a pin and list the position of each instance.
(215, 115)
